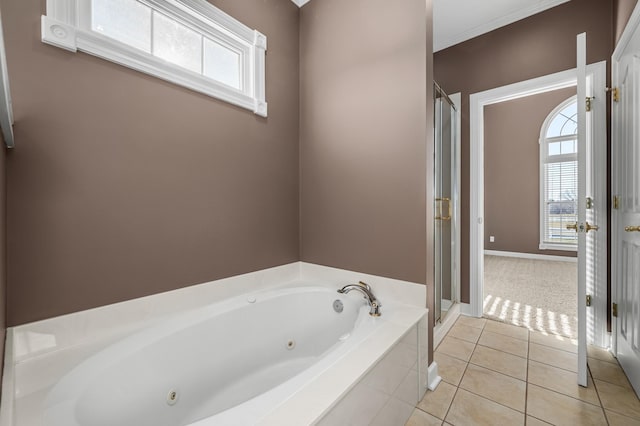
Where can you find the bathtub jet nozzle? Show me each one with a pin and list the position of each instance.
(172, 397)
(365, 289)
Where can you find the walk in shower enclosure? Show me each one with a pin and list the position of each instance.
(447, 202)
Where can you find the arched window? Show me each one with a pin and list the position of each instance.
(559, 177)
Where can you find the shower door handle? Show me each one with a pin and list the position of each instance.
(440, 201)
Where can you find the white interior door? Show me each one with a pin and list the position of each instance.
(582, 225)
(626, 208)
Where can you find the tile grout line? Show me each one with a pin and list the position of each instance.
(543, 344)
(498, 372)
(477, 343)
(497, 350)
(528, 360)
(462, 377)
(491, 400)
(565, 395)
(593, 382)
(549, 346)
(551, 365)
(510, 353)
(456, 386)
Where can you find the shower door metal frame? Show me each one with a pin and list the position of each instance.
(452, 204)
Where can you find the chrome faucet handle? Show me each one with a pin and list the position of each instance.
(365, 285)
(375, 309)
(365, 289)
(368, 287)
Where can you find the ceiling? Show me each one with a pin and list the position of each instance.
(455, 21)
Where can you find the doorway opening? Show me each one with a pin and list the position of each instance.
(531, 192)
(480, 104)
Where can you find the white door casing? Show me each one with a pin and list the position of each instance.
(626, 186)
(596, 78)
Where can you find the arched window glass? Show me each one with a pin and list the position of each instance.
(564, 122)
(559, 177)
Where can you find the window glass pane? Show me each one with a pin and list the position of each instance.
(176, 43)
(568, 147)
(561, 182)
(221, 64)
(127, 21)
(570, 110)
(565, 122)
(554, 148)
(555, 126)
(570, 126)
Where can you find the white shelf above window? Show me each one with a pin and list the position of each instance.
(208, 51)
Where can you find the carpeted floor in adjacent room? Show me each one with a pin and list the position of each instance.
(537, 294)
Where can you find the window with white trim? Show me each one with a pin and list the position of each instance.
(187, 42)
(559, 177)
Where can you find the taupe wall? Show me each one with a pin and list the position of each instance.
(512, 172)
(122, 185)
(365, 125)
(622, 10)
(542, 44)
(363, 130)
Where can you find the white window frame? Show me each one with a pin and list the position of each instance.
(67, 25)
(543, 142)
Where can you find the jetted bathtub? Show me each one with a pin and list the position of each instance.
(230, 363)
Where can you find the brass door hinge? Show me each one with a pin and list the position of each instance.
(615, 93)
(589, 203)
(616, 202)
(614, 310)
(588, 104)
(588, 300)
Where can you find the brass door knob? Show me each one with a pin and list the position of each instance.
(588, 227)
(632, 228)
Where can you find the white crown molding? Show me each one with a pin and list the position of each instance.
(440, 44)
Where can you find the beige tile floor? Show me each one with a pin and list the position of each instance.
(499, 374)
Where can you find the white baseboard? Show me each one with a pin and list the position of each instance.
(433, 378)
(465, 309)
(530, 256)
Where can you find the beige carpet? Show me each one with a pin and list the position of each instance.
(537, 294)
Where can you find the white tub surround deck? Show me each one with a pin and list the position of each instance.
(261, 348)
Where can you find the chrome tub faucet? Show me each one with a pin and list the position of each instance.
(365, 289)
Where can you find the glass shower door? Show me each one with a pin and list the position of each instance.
(444, 204)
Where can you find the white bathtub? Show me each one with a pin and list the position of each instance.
(213, 359)
(281, 356)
